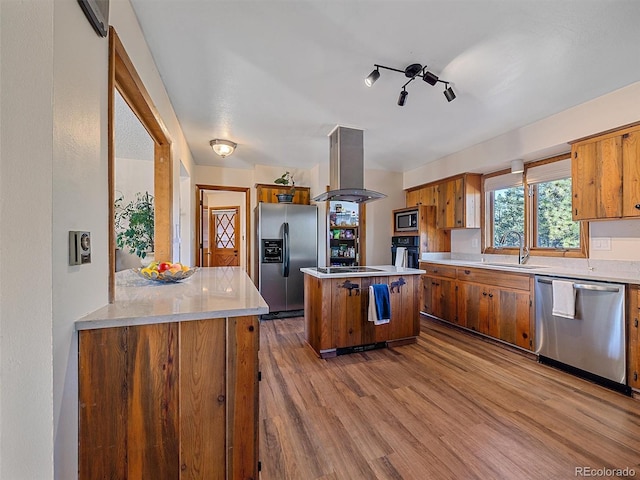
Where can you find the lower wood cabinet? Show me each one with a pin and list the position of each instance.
(500, 313)
(170, 401)
(633, 330)
(439, 297)
(494, 303)
(336, 312)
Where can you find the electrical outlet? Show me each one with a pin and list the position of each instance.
(601, 243)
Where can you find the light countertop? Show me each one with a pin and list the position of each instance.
(208, 293)
(381, 271)
(599, 271)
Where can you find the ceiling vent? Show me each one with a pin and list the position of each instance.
(346, 168)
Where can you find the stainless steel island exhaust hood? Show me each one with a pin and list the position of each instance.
(346, 168)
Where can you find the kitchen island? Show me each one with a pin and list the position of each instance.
(336, 303)
(168, 379)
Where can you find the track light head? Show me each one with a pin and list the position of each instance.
(412, 70)
(371, 79)
(448, 92)
(430, 78)
(403, 97)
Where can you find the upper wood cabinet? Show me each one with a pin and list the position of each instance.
(459, 202)
(606, 176)
(267, 193)
(425, 195)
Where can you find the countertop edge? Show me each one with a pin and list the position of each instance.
(176, 317)
(544, 270)
(385, 271)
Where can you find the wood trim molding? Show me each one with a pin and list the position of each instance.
(248, 232)
(124, 77)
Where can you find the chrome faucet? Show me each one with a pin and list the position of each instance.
(523, 254)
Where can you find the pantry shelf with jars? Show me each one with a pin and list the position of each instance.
(343, 234)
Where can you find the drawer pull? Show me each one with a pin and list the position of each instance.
(467, 272)
(638, 206)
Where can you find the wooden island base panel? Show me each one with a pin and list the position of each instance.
(336, 311)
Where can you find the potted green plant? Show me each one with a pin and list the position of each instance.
(284, 180)
(134, 224)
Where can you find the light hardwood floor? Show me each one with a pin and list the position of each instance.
(451, 406)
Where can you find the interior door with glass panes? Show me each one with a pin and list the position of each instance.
(225, 227)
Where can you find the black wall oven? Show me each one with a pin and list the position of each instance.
(412, 245)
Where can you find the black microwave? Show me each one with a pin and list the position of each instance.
(406, 221)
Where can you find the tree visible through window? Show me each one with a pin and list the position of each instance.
(553, 224)
(508, 215)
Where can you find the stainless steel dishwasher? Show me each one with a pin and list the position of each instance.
(593, 343)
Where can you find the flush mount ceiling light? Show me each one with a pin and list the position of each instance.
(224, 148)
(413, 71)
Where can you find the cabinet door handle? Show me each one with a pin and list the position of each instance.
(491, 295)
(638, 206)
(467, 272)
(484, 294)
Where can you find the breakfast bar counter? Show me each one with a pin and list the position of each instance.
(208, 293)
(168, 379)
(336, 308)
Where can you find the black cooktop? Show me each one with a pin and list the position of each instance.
(347, 269)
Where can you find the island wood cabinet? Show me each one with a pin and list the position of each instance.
(605, 173)
(336, 313)
(170, 400)
(633, 330)
(497, 304)
(268, 193)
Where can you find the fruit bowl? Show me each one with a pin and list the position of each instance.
(166, 276)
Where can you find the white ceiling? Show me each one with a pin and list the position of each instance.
(277, 76)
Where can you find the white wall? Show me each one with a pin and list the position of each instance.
(26, 282)
(53, 178)
(379, 214)
(133, 176)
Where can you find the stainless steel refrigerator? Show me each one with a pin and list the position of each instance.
(286, 241)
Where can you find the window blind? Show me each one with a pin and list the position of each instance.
(549, 172)
(500, 182)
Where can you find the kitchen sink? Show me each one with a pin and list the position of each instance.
(513, 265)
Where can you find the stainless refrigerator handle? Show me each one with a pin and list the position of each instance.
(285, 249)
(585, 286)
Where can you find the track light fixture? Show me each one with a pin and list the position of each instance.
(413, 71)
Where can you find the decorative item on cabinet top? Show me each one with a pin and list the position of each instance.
(267, 193)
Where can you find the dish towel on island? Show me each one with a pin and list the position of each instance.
(379, 304)
(564, 299)
(401, 257)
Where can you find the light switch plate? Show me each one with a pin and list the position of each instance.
(79, 248)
